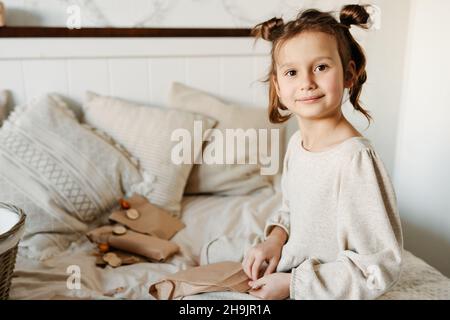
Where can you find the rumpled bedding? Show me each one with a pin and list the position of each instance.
(232, 223)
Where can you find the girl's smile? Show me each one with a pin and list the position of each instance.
(310, 99)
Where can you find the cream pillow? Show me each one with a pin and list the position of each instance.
(227, 179)
(146, 133)
(63, 174)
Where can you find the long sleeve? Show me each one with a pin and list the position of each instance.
(369, 238)
(281, 217)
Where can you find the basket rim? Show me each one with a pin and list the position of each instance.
(18, 225)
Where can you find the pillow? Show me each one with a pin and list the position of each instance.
(61, 173)
(228, 179)
(3, 105)
(146, 133)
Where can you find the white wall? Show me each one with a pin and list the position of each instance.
(138, 69)
(385, 51)
(422, 169)
(159, 13)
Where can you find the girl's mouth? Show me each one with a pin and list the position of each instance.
(312, 99)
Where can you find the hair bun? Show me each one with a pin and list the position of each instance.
(354, 14)
(268, 30)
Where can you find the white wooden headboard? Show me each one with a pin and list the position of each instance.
(138, 69)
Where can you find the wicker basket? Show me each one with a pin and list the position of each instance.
(9, 241)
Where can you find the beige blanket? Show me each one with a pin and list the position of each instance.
(226, 221)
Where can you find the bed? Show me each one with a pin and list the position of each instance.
(143, 70)
(238, 217)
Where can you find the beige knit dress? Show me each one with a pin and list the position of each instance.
(339, 210)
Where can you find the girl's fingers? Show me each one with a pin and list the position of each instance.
(256, 285)
(272, 266)
(255, 268)
(257, 288)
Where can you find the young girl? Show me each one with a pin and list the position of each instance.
(337, 234)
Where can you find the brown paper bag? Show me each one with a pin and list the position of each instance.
(101, 234)
(125, 258)
(148, 246)
(136, 200)
(222, 276)
(152, 220)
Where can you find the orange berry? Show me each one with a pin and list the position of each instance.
(125, 205)
(103, 247)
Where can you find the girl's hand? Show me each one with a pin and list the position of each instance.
(274, 286)
(268, 251)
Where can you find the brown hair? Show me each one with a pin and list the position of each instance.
(276, 31)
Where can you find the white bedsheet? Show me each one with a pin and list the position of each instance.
(206, 218)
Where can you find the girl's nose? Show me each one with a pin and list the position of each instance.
(307, 83)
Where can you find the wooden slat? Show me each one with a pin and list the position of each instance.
(52, 32)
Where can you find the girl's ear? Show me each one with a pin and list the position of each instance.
(350, 75)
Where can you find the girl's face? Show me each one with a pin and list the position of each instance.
(310, 76)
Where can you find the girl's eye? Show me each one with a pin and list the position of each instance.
(291, 73)
(321, 67)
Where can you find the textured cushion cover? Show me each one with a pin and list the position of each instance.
(63, 174)
(146, 132)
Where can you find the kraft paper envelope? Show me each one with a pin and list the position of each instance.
(101, 234)
(222, 276)
(148, 246)
(125, 258)
(136, 200)
(144, 245)
(152, 220)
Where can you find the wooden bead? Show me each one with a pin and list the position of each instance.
(103, 247)
(125, 205)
